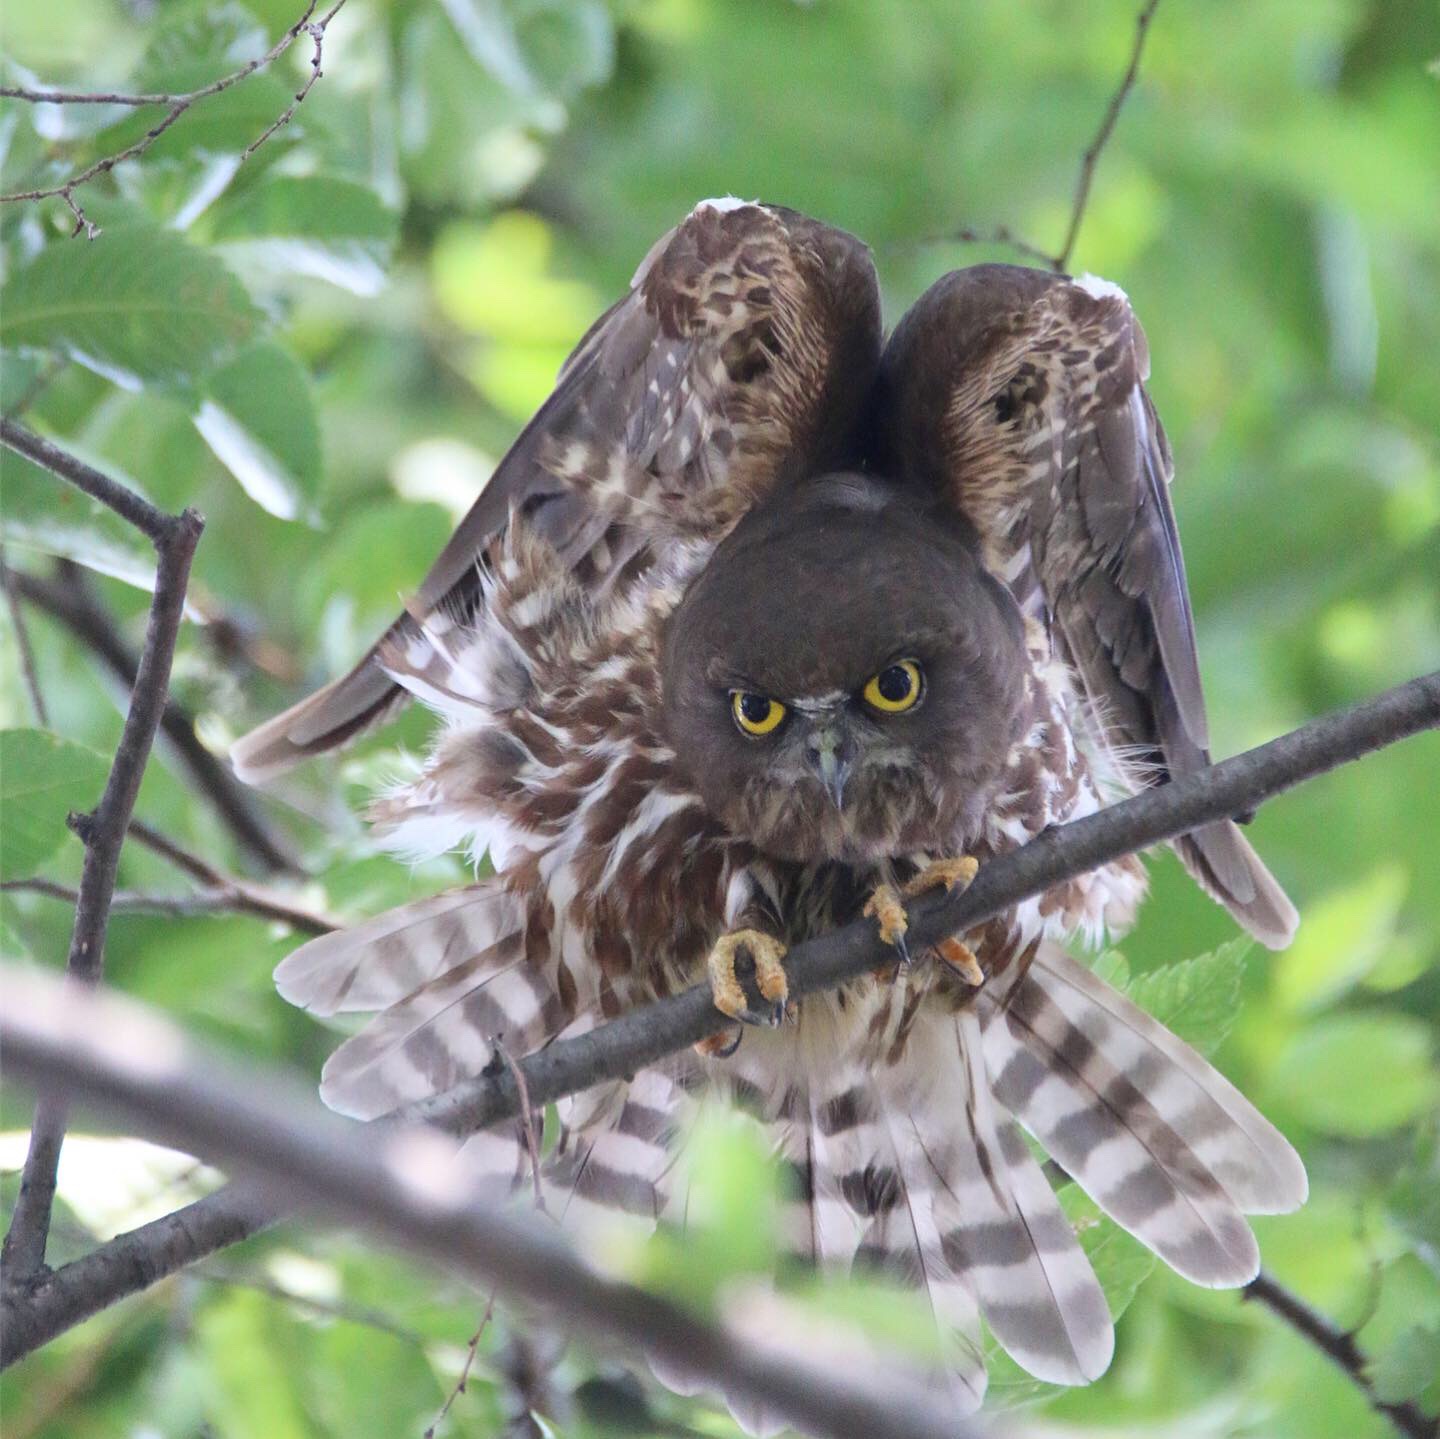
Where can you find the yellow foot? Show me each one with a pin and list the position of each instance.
(719, 1046)
(949, 873)
(767, 954)
(961, 958)
(888, 910)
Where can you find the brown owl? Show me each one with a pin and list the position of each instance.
(836, 707)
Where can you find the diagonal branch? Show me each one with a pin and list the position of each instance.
(414, 1194)
(131, 1262)
(1339, 1347)
(103, 831)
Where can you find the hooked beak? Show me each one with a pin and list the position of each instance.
(829, 754)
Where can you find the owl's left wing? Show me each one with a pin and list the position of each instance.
(1020, 395)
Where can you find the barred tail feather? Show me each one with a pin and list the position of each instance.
(1140, 1121)
(384, 960)
(1001, 1227)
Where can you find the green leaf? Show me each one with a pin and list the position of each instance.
(316, 225)
(1408, 1367)
(1197, 999)
(42, 778)
(1342, 939)
(1358, 1074)
(258, 416)
(251, 1348)
(138, 304)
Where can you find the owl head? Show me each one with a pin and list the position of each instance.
(843, 680)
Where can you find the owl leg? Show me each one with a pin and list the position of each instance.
(961, 958)
(766, 954)
(950, 873)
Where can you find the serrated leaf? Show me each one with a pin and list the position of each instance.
(42, 778)
(137, 304)
(1198, 999)
(317, 225)
(258, 416)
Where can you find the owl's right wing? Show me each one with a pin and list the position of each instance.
(741, 354)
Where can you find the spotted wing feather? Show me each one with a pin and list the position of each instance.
(1021, 395)
(741, 354)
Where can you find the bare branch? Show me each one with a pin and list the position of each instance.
(234, 898)
(1102, 136)
(135, 1260)
(411, 1193)
(1003, 235)
(458, 1388)
(74, 605)
(1340, 1347)
(175, 106)
(174, 538)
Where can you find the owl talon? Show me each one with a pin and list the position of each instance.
(767, 954)
(950, 874)
(961, 958)
(888, 910)
(719, 1046)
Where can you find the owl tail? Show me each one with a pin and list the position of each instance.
(917, 1168)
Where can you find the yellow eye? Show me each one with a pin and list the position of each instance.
(896, 689)
(756, 714)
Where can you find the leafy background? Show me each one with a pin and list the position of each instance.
(326, 349)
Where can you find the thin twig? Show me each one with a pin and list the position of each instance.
(470, 1351)
(103, 831)
(74, 605)
(1004, 235)
(1102, 136)
(133, 1261)
(1340, 1348)
(43, 378)
(233, 899)
(527, 1121)
(411, 1192)
(176, 106)
(23, 647)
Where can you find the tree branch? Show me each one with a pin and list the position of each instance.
(1340, 1348)
(23, 647)
(103, 831)
(176, 105)
(73, 605)
(131, 1262)
(413, 1194)
(1003, 235)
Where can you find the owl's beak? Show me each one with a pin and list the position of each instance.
(829, 752)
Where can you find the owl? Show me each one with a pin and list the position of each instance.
(761, 627)
(832, 710)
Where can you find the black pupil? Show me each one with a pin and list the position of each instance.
(755, 708)
(895, 684)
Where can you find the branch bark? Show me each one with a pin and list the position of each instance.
(1341, 1349)
(412, 1193)
(133, 1261)
(103, 831)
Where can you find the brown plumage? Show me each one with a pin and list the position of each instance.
(741, 355)
(659, 559)
(1020, 396)
(585, 751)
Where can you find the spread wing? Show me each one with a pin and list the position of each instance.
(742, 353)
(1020, 394)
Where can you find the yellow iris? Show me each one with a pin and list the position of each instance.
(756, 714)
(895, 689)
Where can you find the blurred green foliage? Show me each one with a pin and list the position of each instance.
(326, 348)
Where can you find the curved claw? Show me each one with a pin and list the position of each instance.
(767, 954)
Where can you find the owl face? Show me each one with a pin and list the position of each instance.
(844, 681)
